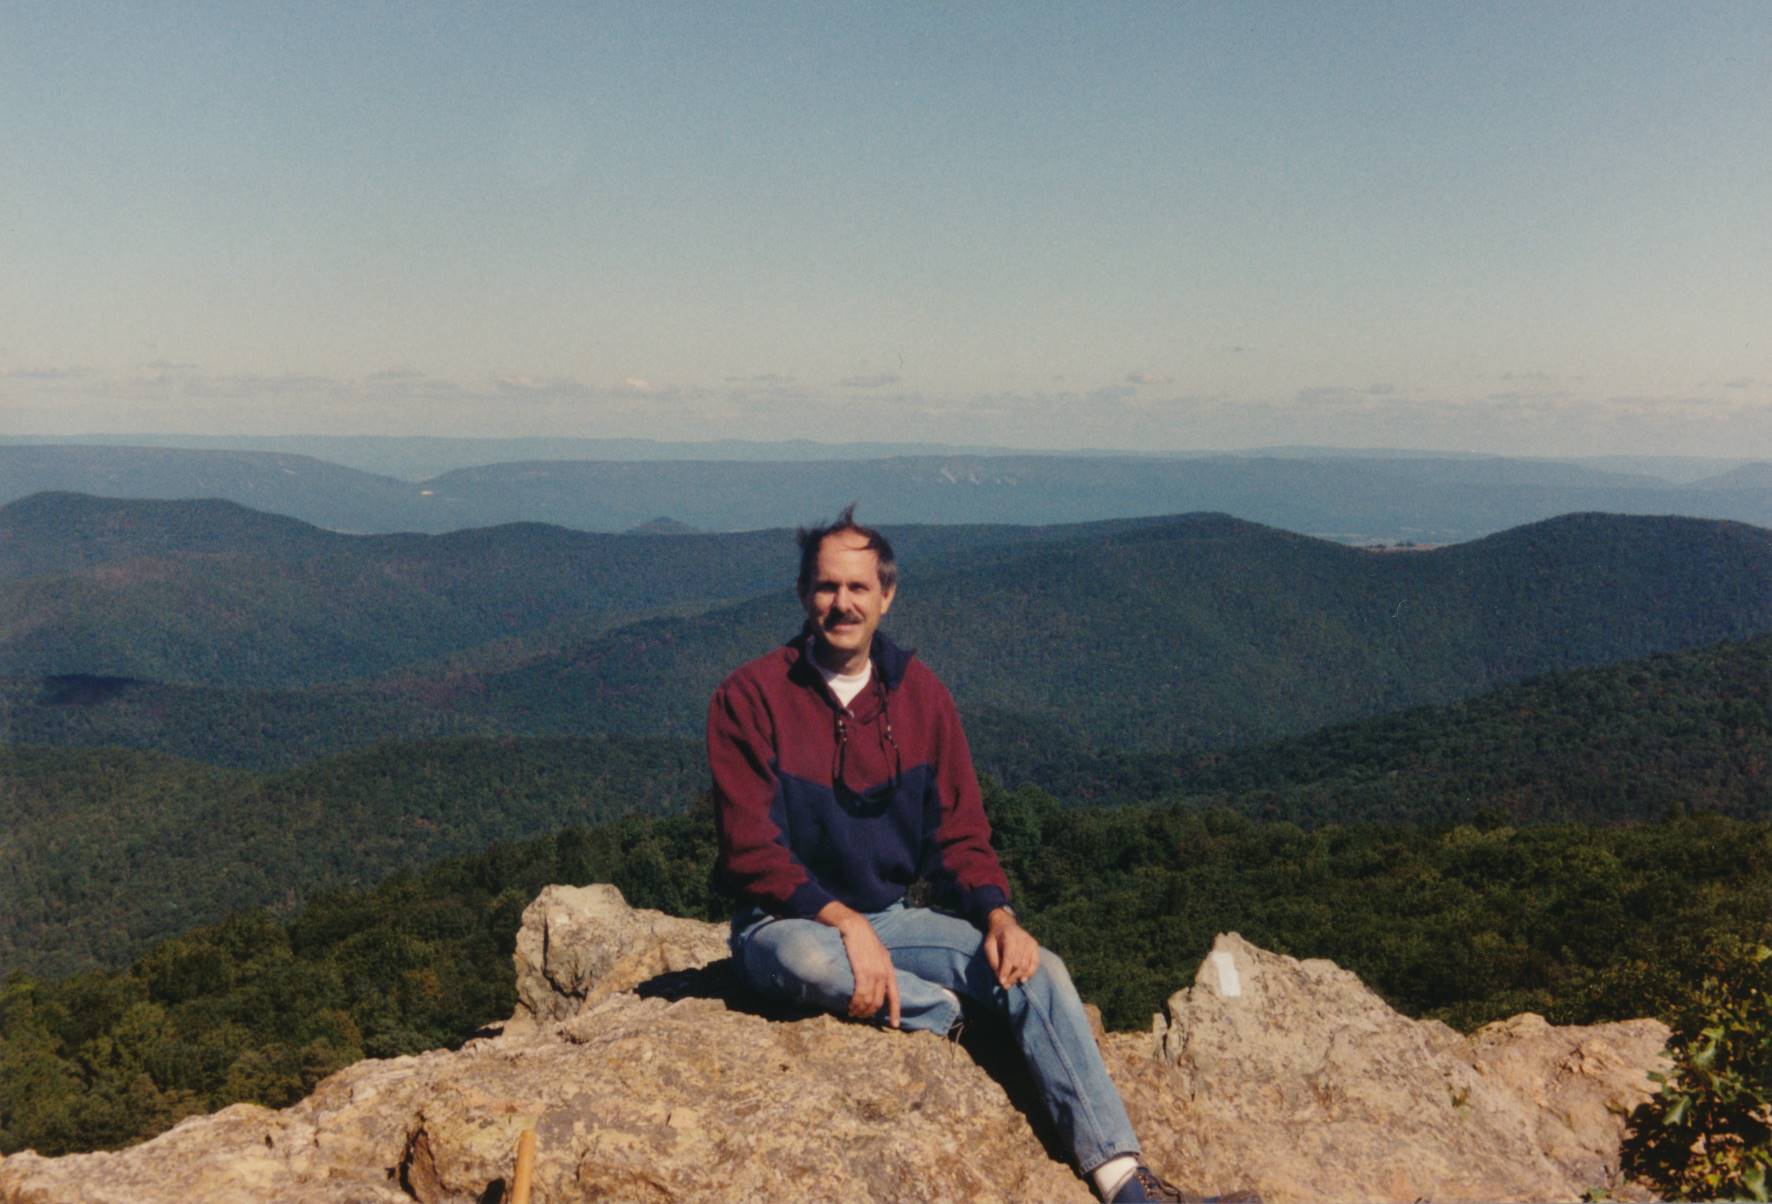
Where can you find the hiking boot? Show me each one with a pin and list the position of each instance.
(1145, 1185)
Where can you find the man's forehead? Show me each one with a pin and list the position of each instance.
(839, 550)
(845, 541)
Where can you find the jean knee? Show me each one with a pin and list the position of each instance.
(1053, 975)
(802, 958)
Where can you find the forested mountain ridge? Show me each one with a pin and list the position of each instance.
(299, 486)
(1178, 635)
(104, 850)
(210, 592)
(50, 533)
(1205, 632)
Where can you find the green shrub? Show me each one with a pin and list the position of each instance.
(1707, 1134)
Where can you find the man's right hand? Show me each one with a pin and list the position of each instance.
(876, 982)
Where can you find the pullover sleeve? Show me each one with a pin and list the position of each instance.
(963, 835)
(755, 861)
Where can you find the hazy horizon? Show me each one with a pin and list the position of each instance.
(1513, 229)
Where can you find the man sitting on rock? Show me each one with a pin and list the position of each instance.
(841, 776)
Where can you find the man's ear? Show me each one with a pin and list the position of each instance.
(886, 596)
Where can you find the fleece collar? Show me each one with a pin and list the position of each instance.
(890, 660)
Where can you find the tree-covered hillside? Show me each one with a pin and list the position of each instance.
(1679, 732)
(106, 850)
(1464, 923)
(103, 851)
(247, 728)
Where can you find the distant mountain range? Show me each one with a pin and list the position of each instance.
(1203, 632)
(183, 627)
(419, 457)
(315, 491)
(212, 592)
(1351, 498)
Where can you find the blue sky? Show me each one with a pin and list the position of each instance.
(1534, 228)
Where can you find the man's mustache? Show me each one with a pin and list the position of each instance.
(836, 620)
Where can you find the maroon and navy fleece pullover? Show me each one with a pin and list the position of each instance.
(816, 802)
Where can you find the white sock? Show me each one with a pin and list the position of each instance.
(1110, 1174)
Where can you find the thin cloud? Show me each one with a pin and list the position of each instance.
(46, 374)
(1521, 401)
(1324, 394)
(522, 382)
(877, 381)
(397, 386)
(1148, 378)
(1673, 406)
(156, 371)
(657, 393)
(248, 383)
(523, 386)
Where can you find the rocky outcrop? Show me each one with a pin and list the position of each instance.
(1297, 1068)
(647, 1078)
(580, 944)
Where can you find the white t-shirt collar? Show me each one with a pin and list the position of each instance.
(847, 685)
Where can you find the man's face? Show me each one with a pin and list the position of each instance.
(845, 601)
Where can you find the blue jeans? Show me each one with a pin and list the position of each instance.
(940, 957)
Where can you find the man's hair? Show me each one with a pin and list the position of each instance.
(810, 539)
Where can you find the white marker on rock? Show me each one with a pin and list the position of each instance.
(1229, 985)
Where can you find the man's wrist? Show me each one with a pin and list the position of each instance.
(842, 917)
(1000, 916)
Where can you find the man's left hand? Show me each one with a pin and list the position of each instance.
(1012, 951)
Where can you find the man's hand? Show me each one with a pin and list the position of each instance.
(876, 982)
(1012, 951)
